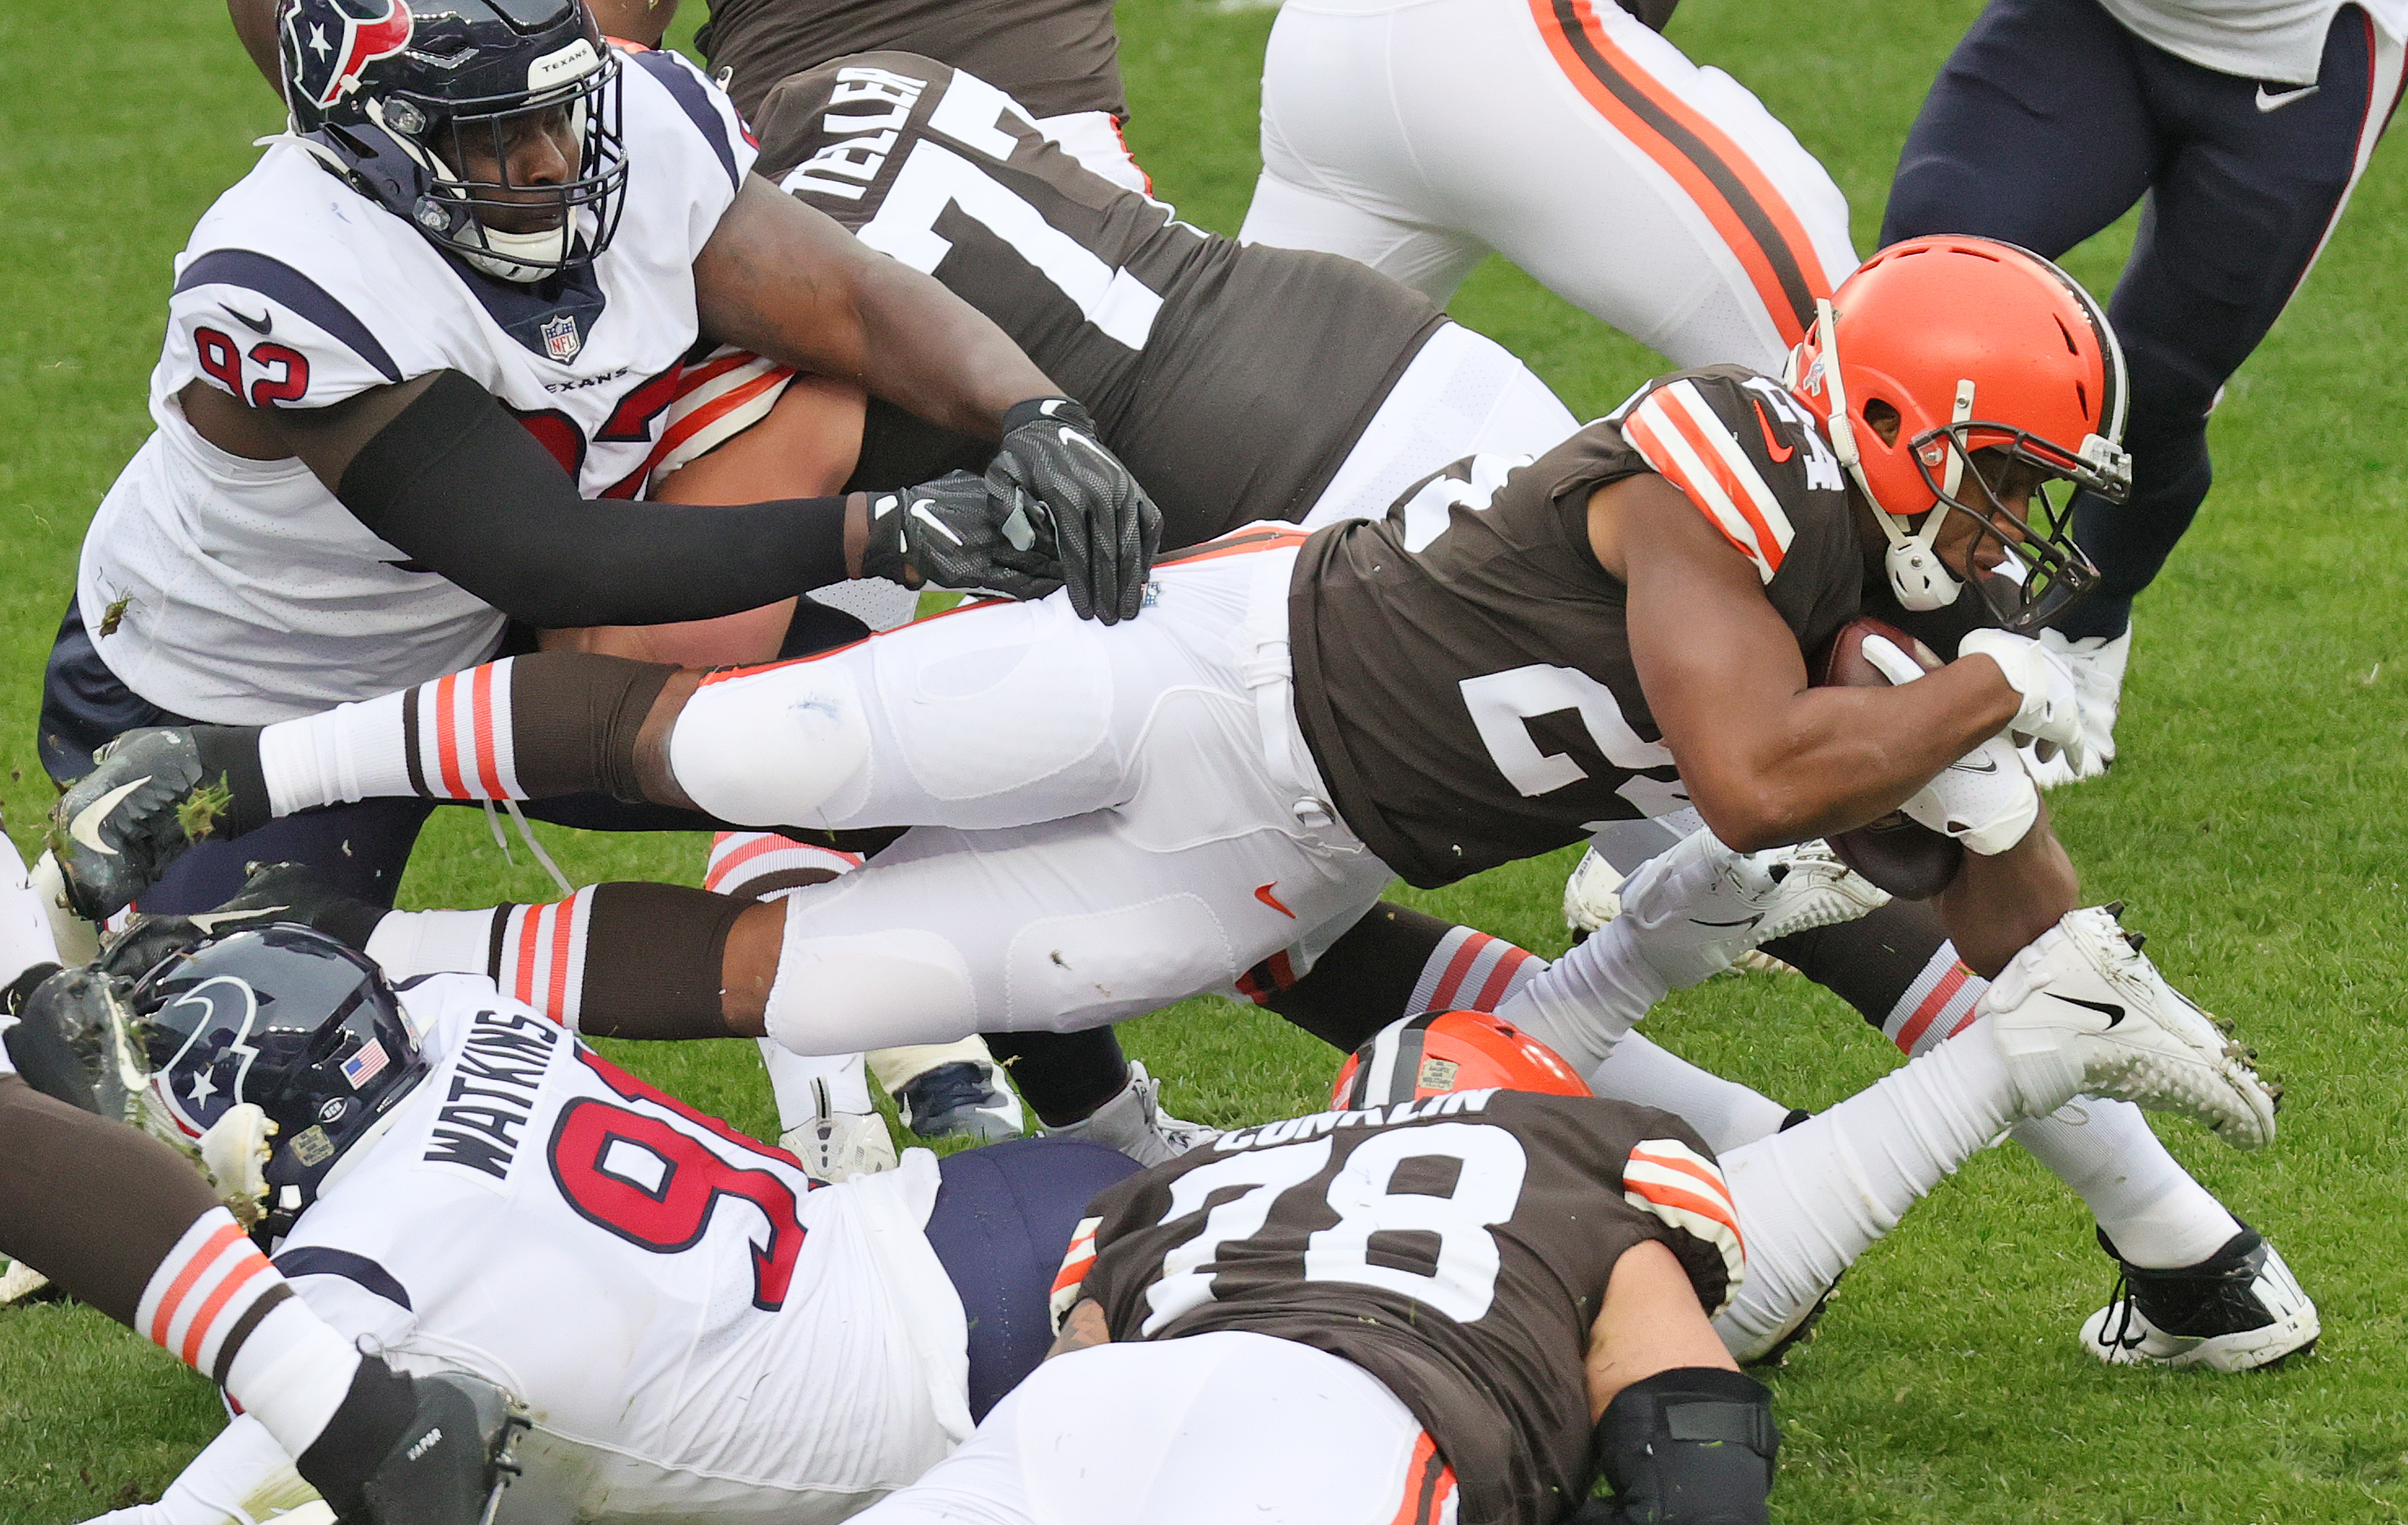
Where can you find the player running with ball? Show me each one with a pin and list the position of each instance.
(1154, 810)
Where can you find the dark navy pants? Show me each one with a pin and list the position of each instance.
(1001, 1225)
(2050, 120)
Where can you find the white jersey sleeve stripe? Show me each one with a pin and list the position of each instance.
(1685, 1190)
(1754, 498)
(1671, 443)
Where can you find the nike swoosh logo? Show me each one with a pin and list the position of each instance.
(2276, 100)
(1772, 447)
(1748, 921)
(84, 826)
(267, 319)
(2107, 1009)
(1989, 765)
(1263, 893)
(207, 920)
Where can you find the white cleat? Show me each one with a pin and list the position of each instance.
(2081, 1012)
(839, 1145)
(1697, 908)
(2236, 1311)
(2098, 663)
(1134, 1123)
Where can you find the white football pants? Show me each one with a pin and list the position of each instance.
(1202, 1430)
(1111, 818)
(1417, 135)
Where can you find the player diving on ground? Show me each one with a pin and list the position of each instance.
(443, 1171)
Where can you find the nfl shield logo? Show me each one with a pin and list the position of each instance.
(560, 340)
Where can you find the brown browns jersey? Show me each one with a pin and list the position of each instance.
(1457, 1248)
(1463, 669)
(1232, 380)
(1053, 56)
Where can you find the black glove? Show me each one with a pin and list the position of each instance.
(1106, 529)
(958, 532)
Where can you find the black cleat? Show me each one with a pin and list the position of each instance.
(2236, 1311)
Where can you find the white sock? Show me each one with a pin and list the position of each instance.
(350, 751)
(2156, 1215)
(743, 861)
(1472, 971)
(1588, 1000)
(1812, 1199)
(408, 943)
(797, 1080)
(216, 1304)
(2149, 1205)
(1725, 1112)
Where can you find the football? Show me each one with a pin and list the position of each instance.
(1905, 857)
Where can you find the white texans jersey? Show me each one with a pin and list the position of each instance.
(243, 592)
(2282, 41)
(700, 1330)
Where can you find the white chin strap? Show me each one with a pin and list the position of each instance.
(1918, 578)
(506, 253)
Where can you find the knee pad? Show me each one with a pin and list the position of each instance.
(1694, 1445)
(865, 990)
(774, 747)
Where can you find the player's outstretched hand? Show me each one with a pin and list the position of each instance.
(125, 822)
(959, 532)
(1106, 529)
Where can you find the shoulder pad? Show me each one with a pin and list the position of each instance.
(1741, 448)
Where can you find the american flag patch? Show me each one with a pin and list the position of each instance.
(365, 1065)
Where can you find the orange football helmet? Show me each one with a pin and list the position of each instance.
(1439, 1052)
(1959, 344)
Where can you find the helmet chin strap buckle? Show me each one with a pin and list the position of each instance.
(1917, 577)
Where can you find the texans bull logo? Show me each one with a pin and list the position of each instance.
(206, 1074)
(328, 43)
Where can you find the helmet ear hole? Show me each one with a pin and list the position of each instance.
(1882, 419)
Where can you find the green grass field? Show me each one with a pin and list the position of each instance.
(2254, 826)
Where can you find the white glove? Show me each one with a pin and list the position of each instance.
(2052, 699)
(1984, 799)
(235, 1152)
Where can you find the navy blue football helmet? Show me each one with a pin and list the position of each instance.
(288, 1018)
(421, 105)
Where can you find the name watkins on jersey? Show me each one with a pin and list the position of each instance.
(494, 1082)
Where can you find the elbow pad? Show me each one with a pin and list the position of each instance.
(1694, 1445)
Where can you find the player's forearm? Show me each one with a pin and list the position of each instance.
(1830, 760)
(786, 281)
(456, 483)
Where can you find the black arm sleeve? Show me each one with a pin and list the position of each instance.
(457, 484)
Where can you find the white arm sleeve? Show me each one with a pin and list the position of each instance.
(240, 1479)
